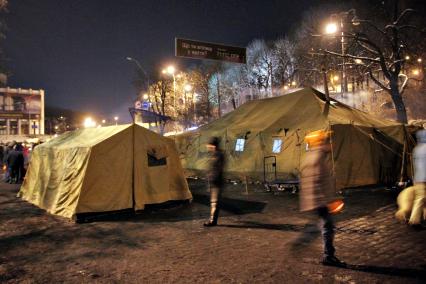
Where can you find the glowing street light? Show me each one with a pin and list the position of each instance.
(336, 78)
(419, 60)
(416, 72)
(188, 87)
(358, 61)
(331, 28)
(116, 119)
(103, 121)
(171, 71)
(89, 122)
(407, 57)
(293, 83)
(145, 96)
(337, 28)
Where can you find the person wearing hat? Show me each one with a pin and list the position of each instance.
(216, 182)
(318, 189)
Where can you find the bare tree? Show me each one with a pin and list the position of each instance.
(383, 45)
(283, 61)
(260, 65)
(201, 78)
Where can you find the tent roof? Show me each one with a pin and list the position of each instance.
(86, 137)
(304, 107)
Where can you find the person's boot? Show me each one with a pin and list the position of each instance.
(209, 224)
(333, 261)
(214, 214)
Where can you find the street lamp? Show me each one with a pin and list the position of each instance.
(116, 119)
(194, 101)
(171, 71)
(332, 28)
(89, 122)
(187, 88)
(142, 69)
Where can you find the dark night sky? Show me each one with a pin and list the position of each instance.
(76, 49)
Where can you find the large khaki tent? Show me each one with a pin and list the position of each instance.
(264, 136)
(104, 169)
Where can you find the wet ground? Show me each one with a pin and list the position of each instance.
(262, 238)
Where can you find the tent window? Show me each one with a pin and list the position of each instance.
(239, 146)
(276, 146)
(154, 162)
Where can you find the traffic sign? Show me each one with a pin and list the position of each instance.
(206, 50)
(146, 105)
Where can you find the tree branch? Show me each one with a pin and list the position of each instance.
(404, 84)
(377, 81)
(352, 56)
(402, 15)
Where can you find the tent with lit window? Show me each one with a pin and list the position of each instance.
(264, 139)
(104, 169)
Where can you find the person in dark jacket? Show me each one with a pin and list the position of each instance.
(1, 154)
(318, 188)
(6, 155)
(15, 161)
(216, 181)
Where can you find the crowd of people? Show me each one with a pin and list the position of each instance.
(14, 160)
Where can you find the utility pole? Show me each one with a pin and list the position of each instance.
(218, 93)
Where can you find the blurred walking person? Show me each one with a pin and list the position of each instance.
(411, 201)
(318, 189)
(216, 181)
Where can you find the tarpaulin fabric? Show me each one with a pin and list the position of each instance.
(366, 149)
(103, 169)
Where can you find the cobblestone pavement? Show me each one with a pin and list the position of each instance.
(262, 238)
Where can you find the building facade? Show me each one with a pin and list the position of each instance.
(21, 112)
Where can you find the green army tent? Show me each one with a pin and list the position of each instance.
(104, 169)
(264, 137)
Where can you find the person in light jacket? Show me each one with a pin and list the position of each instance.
(318, 188)
(419, 155)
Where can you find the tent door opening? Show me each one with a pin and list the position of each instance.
(269, 169)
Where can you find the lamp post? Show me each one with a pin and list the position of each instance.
(116, 120)
(194, 102)
(141, 69)
(187, 88)
(171, 71)
(332, 28)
